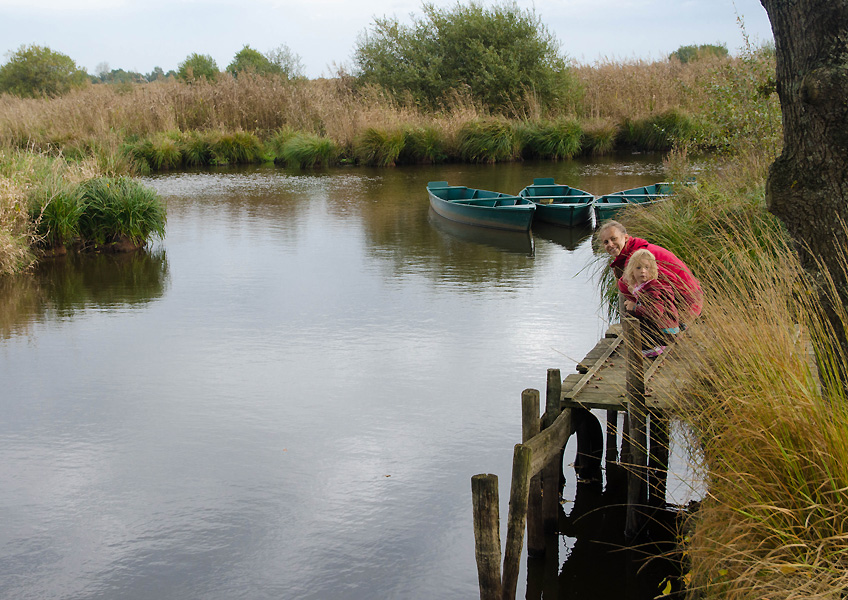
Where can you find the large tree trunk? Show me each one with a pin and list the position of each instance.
(807, 186)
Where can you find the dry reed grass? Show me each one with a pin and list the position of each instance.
(771, 432)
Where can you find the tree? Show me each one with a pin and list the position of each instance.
(499, 54)
(36, 71)
(288, 61)
(249, 60)
(198, 66)
(687, 54)
(807, 186)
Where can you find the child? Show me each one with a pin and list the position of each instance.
(654, 305)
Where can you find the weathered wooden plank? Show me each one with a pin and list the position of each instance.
(530, 427)
(547, 444)
(593, 369)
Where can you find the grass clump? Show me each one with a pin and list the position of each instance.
(422, 145)
(658, 132)
(304, 150)
(552, 139)
(488, 141)
(117, 210)
(379, 147)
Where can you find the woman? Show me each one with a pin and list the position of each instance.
(613, 237)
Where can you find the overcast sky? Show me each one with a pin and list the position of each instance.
(140, 35)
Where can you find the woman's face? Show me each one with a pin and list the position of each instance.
(613, 241)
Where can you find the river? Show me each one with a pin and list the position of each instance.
(285, 398)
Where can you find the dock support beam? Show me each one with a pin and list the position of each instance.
(530, 427)
(552, 473)
(637, 498)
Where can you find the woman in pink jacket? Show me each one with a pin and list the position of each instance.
(613, 237)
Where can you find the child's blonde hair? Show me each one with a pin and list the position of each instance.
(636, 259)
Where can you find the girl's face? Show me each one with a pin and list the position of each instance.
(613, 241)
(642, 272)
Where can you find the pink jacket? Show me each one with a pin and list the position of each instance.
(688, 295)
(655, 301)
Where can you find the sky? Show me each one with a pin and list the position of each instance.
(139, 35)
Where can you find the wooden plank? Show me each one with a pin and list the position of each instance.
(547, 444)
(594, 369)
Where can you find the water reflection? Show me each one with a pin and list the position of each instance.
(288, 396)
(62, 287)
(517, 242)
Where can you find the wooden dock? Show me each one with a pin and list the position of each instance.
(613, 377)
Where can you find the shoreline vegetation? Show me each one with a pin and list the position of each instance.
(50, 146)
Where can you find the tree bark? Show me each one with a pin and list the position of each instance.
(807, 186)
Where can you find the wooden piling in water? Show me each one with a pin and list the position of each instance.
(637, 413)
(517, 520)
(552, 472)
(530, 426)
(487, 538)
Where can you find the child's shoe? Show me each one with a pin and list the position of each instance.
(653, 352)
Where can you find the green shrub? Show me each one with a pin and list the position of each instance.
(498, 53)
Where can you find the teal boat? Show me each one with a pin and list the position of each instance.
(480, 207)
(559, 204)
(608, 205)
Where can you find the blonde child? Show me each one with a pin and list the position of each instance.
(654, 305)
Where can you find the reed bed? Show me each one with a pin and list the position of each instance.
(767, 404)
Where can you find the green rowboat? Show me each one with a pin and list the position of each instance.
(559, 204)
(480, 207)
(608, 205)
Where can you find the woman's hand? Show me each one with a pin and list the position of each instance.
(629, 305)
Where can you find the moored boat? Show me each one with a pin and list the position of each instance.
(482, 208)
(608, 205)
(559, 204)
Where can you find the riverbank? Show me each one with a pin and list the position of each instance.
(768, 412)
(132, 129)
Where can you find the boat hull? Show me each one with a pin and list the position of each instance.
(481, 208)
(607, 206)
(559, 204)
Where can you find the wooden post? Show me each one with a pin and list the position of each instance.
(530, 427)
(552, 472)
(635, 393)
(612, 437)
(658, 462)
(517, 519)
(487, 537)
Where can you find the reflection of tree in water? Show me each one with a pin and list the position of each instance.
(61, 287)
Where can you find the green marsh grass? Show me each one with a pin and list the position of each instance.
(379, 147)
(488, 141)
(309, 150)
(555, 140)
(423, 145)
(769, 415)
(120, 209)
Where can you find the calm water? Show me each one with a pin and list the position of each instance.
(288, 396)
